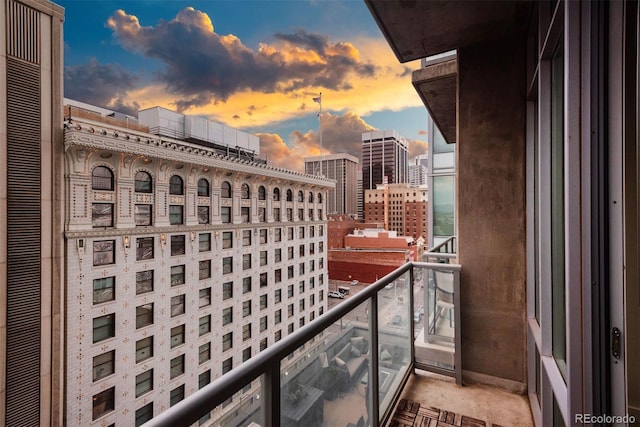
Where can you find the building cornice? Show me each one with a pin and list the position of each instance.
(94, 135)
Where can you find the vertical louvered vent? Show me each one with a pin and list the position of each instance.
(23, 25)
(23, 244)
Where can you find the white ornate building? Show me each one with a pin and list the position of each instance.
(181, 264)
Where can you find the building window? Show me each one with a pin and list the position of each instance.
(177, 367)
(276, 194)
(263, 236)
(312, 249)
(301, 287)
(204, 242)
(246, 237)
(246, 285)
(176, 214)
(142, 215)
(144, 382)
(277, 255)
(204, 379)
(320, 311)
(321, 230)
(227, 341)
(203, 214)
(204, 325)
(227, 290)
(177, 245)
(301, 251)
(104, 365)
(227, 240)
(143, 182)
(225, 213)
(177, 305)
(301, 215)
(144, 282)
(245, 192)
(277, 234)
(246, 332)
(204, 297)
(144, 349)
(103, 403)
(312, 316)
(278, 316)
(102, 214)
(144, 315)
(227, 365)
(276, 215)
(104, 327)
(290, 252)
(144, 248)
(263, 344)
(321, 295)
(225, 190)
(203, 188)
(263, 302)
(227, 265)
(227, 316)
(263, 323)
(290, 233)
(246, 308)
(289, 196)
(312, 300)
(177, 275)
(176, 395)
(311, 216)
(204, 353)
(311, 283)
(177, 336)
(289, 214)
(289, 291)
(301, 268)
(277, 274)
(301, 305)
(277, 296)
(321, 246)
(277, 336)
(246, 261)
(246, 354)
(104, 252)
(262, 214)
(290, 328)
(301, 322)
(102, 178)
(262, 193)
(204, 269)
(290, 272)
(312, 265)
(104, 289)
(290, 310)
(263, 258)
(176, 186)
(263, 280)
(245, 214)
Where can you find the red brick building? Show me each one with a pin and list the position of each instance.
(340, 225)
(405, 207)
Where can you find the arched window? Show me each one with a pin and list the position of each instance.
(262, 193)
(102, 178)
(226, 190)
(300, 196)
(143, 182)
(310, 197)
(176, 186)
(319, 197)
(289, 196)
(245, 193)
(203, 188)
(276, 194)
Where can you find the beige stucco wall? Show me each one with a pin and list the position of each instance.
(491, 210)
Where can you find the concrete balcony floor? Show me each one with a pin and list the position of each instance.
(469, 405)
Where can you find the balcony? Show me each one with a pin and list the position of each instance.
(362, 363)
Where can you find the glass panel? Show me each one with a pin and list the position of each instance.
(241, 410)
(557, 211)
(326, 380)
(394, 338)
(443, 205)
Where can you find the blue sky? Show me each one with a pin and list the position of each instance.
(254, 65)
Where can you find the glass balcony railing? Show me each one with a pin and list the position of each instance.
(347, 367)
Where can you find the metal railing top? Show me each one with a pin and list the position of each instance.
(444, 244)
(225, 386)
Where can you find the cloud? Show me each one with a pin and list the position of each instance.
(417, 147)
(104, 85)
(340, 134)
(201, 66)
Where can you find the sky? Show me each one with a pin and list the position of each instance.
(255, 65)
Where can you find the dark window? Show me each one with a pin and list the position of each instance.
(246, 308)
(276, 194)
(176, 187)
(227, 316)
(143, 182)
(246, 285)
(289, 196)
(245, 214)
(177, 245)
(176, 395)
(263, 302)
(225, 213)
(263, 280)
(177, 305)
(176, 214)
(204, 297)
(204, 352)
(263, 236)
(142, 215)
(203, 188)
(263, 323)
(144, 414)
(104, 365)
(102, 178)
(227, 265)
(246, 332)
(204, 242)
(246, 237)
(310, 197)
(204, 268)
(245, 193)
(144, 315)
(104, 289)
(278, 295)
(144, 382)
(204, 325)
(300, 196)
(177, 336)
(102, 214)
(227, 365)
(104, 252)
(246, 261)
(263, 257)
(227, 240)
(246, 354)
(203, 214)
(104, 327)
(103, 402)
(177, 275)
(144, 349)
(319, 197)
(226, 190)
(262, 193)
(144, 282)
(177, 367)
(227, 341)
(227, 290)
(144, 248)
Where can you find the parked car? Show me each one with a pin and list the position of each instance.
(396, 320)
(417, 316)
(354, 282)
(334, 294)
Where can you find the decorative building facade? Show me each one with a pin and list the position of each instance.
(182, 263)
(404, 209)
(342, 168)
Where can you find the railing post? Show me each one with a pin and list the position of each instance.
(457, 328)
(373, 375)
(270, 408)
(412, 326)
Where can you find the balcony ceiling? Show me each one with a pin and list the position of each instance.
(417, 29)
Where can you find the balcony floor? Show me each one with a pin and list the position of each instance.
(434, 400)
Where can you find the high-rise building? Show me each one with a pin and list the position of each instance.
(417, 175)
(343, 169)
(360, 195)
(31, 224)
(384, 154)
(402, 208)
(182, 263)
